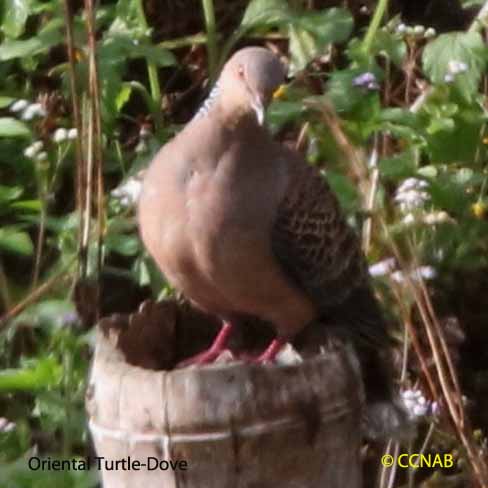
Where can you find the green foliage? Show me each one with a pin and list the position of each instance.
(309, 32)
(15, 241)
(14, 16)
(420, 111)
(467, 48)
(265, 13)
(312, 32)
(10, 127)
(34, 375)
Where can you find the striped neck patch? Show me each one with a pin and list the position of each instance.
(208, 103)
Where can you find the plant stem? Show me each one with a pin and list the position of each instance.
(80, 176)
(56, 279)
(374, 25)
(152, 73)
(4, 289)
(209, 14)
(67, 385)
(42, 189)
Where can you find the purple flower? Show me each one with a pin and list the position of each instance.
(366, 80)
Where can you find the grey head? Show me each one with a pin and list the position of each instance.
(247, 82)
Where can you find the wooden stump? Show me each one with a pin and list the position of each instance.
(224, 425)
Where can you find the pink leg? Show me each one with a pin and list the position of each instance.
(271, 351)
(214, 351)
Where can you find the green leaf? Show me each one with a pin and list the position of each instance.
(117, 48)
(9, 193)
(281, 112)
(48, 313)
(39, 374)
(429, 171)
(48, 37)
(123, 96)
(398, 166)
(328, 26)
(390, 45)
(129, 19)
(400, 116)
(303, 48)
(344, 189)
(462, 47)
(265, 12)
(15, 241)
(126, 245)
(156, 54)
(10, 127)
(14, 17)
(463, 176)
(441, 124)
(6, 101)
(311, 32)
(30, 205)
(453, 139)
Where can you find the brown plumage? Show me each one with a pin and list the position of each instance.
(244, 226)
(312, 239)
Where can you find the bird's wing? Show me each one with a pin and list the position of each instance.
(322, 254)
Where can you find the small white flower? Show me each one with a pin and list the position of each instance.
(425, 272)
(408, 394)
(33, 149)
(382, 268)
(42, 156)
(409, 219)
(410, 195)
(420, 410)
(411, 200)
(448, 78)
(72, 133)
(411, 184)
(430, 32)
(419, 30)
(435, 408)
(415, 403)
(145, 132)
(60, 135)
(401, 29)
(128, 193)
(456, 67)
(32, 111)
(433, 218)
(141, 147)
(6, 425)
(19, 105)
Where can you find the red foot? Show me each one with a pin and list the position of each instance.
(215, 350)
(270, 353)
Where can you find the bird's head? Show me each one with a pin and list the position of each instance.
(250, 78)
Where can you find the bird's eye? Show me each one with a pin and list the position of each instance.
(240, 71)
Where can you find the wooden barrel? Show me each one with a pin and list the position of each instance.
(225, 425)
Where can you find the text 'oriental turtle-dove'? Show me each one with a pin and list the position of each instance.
(243, 226)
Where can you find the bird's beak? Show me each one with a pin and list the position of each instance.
(279, 92)
(258, 107)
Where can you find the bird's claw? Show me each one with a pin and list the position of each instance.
(206, 357)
